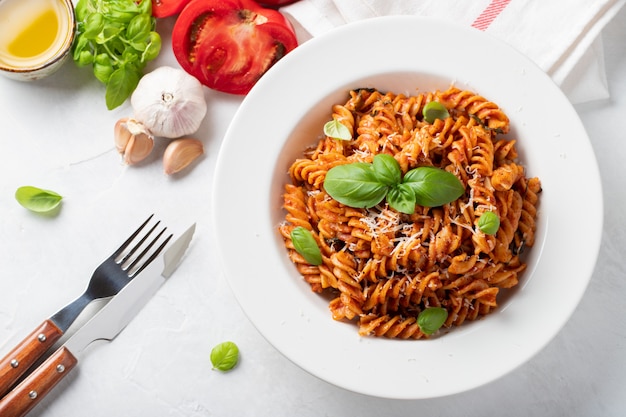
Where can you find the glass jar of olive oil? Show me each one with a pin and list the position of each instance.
(34, 33)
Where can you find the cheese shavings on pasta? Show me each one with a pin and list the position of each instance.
(380, 267)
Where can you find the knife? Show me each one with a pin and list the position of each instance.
(105, 325)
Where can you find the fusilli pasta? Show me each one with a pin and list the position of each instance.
(381, 267)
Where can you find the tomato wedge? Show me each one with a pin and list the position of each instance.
(229, 44)
(166, 8)
(275, 3)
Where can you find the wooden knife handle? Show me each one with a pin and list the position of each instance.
(28, 393)
(26, 353)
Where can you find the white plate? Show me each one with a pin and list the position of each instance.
(286, 111)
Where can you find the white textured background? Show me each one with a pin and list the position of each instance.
(57, 134)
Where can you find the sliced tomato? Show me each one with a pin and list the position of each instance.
(166, 8)
(275, 3)
(229, 44)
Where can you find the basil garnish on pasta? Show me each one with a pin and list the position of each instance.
(431, 319)
(433, 111)
(365, 185)
(387, 170)
(433, 187)
(336, 130)
(489, 223)
(305, 245)
(355, 185)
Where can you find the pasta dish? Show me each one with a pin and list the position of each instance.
(381, 267)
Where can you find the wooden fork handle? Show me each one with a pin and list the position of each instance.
(28, 393)
(26, 353)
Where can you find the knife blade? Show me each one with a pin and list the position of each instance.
(106, 324)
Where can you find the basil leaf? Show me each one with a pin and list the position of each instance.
(139, 28)
(225, 356)
(402, 198)
(305, 245)
(84, 58)
(431, 319)
(355, 185)
(79, 46)
(336, 130)
(82, 11)
(108, 32)
(434, 110)
(433, 186)
(144, 6)
(121, 84)
(37, 199)
(387, 169)
(94, 25)
(489, 223)
(153, 47)
(102, 72)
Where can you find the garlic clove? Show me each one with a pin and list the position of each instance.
(121, 134)
(138, 148)
(132, 140)
(180, 153)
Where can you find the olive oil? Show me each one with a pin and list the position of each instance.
(37, 37)
(31, 31)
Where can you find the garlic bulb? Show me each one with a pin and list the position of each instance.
(132, 140)
(169, 102)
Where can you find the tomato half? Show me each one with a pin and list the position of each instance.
(275, 3)
(229, 44)
(165, 8)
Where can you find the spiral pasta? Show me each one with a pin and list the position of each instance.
(380, 267)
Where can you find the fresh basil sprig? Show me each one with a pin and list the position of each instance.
(431, 319)
(305, 244)
(37, 199)
(225, 356)
(118, 38)
(365, 185)
(489, 223)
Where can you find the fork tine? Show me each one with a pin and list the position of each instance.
(132, 237)
(154, 254)
(146, 249)
(138, 245)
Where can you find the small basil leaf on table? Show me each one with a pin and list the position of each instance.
(387, 169)
(402, 199)
(336, 130)
(433, 187)
(489, 223)
(431, 319)
(225, 356)
(37, 199)
(355, 185)
(305, 244)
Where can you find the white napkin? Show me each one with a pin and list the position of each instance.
(563, 38)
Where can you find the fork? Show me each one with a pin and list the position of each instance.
(107, 280)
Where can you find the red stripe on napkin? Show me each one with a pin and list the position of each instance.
(488, 15)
